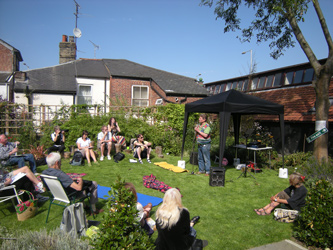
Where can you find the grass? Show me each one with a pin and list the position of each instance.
(227, 217)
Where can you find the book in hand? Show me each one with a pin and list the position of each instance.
(17, 177)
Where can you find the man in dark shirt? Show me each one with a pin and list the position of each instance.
(54, 162)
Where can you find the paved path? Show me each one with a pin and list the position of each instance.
(282, 245)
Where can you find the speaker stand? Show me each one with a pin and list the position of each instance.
(245, 172)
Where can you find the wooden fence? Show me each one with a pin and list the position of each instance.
(14, 116)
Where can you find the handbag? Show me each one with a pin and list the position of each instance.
(285, 215)
(118, 157)
(26, 209)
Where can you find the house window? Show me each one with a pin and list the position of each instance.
(228, 86)
(222, 87)
(277, 80)
(240, 85)
(298, 76)
(246, 83)
(254, 83)
(269, 81)
(308, 76)
(140, 96)
(234, 85)
(289, 78)
(261, 83)
(84, 95)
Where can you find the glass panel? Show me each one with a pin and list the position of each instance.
(261, 82)
(228, 86)
(277, 80)
(136, 92)
(269, 81)
(298, 76)
(234, 85)
(240, 85)
(144, 92)
(289, 78)
(245, 85)
(84, 100)
(222, 88)
(217, 88)
(254, 83)
(308, 76)
(84, 90)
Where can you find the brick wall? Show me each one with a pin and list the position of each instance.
(6, 59)
(122, 88)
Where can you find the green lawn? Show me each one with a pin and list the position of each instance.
(227, 217)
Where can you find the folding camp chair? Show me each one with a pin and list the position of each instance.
(8, 193)
(59, 194)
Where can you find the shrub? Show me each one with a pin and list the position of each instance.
(55, 239)
(120, 228)
(312, 169)
(293, 160)
(314, 225)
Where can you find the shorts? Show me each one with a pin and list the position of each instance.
(143, 153)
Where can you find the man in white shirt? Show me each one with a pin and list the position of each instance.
(104, 139)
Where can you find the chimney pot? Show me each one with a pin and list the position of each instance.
(64, 38)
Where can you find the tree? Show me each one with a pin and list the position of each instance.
(277, 21)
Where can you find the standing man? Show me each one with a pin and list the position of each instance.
(54, 163)
(104, 139)
(8, 156)
(58, 137)
(204, 143)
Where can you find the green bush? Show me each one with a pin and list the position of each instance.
(314, 226)
(55, 239)
(312, 169)
(120, 228)
(293, 160)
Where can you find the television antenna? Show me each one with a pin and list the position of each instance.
(96, 47)
(76, 31)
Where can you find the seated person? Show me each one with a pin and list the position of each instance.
(142, 149)
(175, 230)
(104, 139)
(293, 197)
(23, 183)
(8, 157)
(54, 163)
(58, 137)
(85, 147)
(144, 212)
(114, 128)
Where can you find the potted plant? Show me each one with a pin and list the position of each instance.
(39, 154)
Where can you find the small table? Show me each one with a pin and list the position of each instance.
(254, 151)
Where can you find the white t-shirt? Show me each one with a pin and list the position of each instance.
(83, 143)
(101, 135)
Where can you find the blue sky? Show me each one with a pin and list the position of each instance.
(178, 36)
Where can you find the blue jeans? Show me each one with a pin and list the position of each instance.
(20, 161)
(204, 157)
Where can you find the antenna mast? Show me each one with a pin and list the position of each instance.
(96, 47)
(76, 14)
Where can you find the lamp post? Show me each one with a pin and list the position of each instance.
(251, 59)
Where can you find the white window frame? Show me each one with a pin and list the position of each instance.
(91, 93)
(132, 95)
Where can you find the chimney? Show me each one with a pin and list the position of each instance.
(67, 49)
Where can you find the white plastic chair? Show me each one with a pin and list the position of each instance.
(59, 194)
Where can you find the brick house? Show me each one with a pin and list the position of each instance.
(292, 87)
(10, 59)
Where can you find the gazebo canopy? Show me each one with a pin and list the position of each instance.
(233, 103)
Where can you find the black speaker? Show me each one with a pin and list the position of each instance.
(194, 158)
(217, 176)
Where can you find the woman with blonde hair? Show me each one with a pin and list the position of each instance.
(292, 197)
(175, 229)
